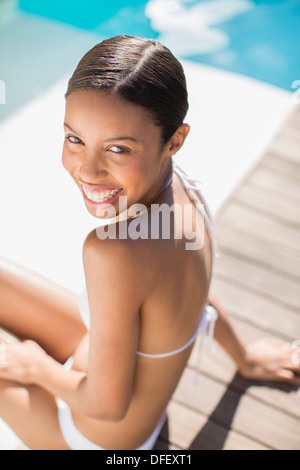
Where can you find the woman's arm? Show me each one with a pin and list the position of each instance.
(227, 337)
(266, 359)
(116, 291)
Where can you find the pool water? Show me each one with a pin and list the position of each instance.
(256, 38)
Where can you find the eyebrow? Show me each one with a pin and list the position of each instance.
(106, 140)
(69, 127)
(121, 138)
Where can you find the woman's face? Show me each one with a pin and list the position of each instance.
(112, 149)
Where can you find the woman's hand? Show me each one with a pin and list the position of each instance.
(270, 359)
(81, 355)
(266, 359)
(20, 361)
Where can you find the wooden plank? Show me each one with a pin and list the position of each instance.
(294, 125)
(242, 244)
(258, 226)
(284, 185)
(220, 367)
(162, 444)
(284, 177)
(260, 280)
(275, 207)
(294, 119)
(241, 413)
(191, 430)
(286, 147)
(276, 163)
(292, 131)
(288, 203)
(260, 311)
(279, 396)
(183, 425)
(283, 156)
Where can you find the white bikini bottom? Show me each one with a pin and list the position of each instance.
(77, 441)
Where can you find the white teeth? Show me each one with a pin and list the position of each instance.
(100, 197)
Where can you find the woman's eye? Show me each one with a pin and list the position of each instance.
(118, 149)
(74, 140)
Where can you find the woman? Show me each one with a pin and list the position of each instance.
(101, 377)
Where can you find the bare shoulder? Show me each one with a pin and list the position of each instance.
(115, 250)
(112, 249)
(119, 261)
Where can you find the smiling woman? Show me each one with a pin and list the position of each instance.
(100, 375)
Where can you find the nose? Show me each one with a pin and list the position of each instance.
(93, 166)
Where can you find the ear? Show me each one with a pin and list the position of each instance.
(177, 140)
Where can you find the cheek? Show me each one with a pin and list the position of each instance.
(138, 175)
(68, 160)
(139, 180)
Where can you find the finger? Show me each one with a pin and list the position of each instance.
(289, 362)
(288, 376)
(293, 367)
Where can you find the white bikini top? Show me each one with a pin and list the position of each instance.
(209, 316)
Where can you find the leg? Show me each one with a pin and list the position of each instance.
(32, 414)
(34, 308)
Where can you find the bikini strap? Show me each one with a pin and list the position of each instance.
(207, 324)
(175, 351)
(209, 318)
(200, 203)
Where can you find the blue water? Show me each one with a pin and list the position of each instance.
(259, 39)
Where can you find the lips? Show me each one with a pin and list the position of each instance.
(101, 196)
(97, 195)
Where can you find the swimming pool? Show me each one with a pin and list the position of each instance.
(256, 38)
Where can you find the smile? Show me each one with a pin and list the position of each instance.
(103, 196)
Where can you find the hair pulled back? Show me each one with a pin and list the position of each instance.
(140, 70)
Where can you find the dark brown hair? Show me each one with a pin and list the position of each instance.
(140, 70)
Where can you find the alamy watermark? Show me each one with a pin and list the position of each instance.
(296, 353)
(158, 223)
(2, 354)
(296, 94)
(2, 92)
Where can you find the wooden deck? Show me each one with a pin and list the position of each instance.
(257, 279)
